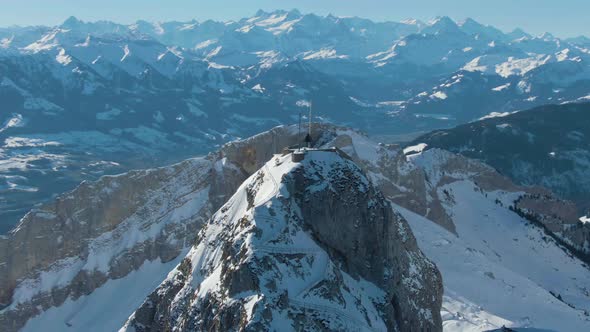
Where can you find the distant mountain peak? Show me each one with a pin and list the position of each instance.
(441, 24)
(412, 21)
(72, 21)
(547, 36)
(280, 218)
(469, 21)
(518, 33)
(442, 21)
(292, 12)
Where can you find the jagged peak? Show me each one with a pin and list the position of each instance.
(72, 21)
(469, 21)
(546, 36)
(263, 13)
(441, 24)
(519, 33)
(442, 21)
(281, 214)
(412, 21)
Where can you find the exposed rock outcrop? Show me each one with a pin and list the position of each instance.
(106, 229)
(311, 245)
(415, 179)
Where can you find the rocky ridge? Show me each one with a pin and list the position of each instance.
(104, 230)
(310, 245)
(48, 276)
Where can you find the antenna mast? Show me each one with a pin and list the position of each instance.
(310, 105)
(299, 134)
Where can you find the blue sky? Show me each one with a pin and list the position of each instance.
(564, 18)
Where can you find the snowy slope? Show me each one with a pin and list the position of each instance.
(90, 240)
(546, 146)
(159, 92)
(261, 263)
(319, 259)
(498, 268)
(110, 304)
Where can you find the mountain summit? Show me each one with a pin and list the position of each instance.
(254, 239)
(310, 244)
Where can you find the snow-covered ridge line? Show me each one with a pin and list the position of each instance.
(88, 234)
(266, 222)
(431, 183)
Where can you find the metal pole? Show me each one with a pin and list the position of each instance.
(310, 105)
(299, 134)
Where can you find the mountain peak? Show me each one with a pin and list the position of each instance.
(547, 36)
(312, 234)
(518, 33)
(72, 21)
(292, 12)
(470, 22)
(412, 21)
(442, 21)
(441, 24)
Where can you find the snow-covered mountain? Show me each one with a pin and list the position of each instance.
(227, 224)
(101, 250)
(546, 146)
(94, 98)
(308, 245)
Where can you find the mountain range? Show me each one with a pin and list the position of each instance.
(84, 99)
(546, 146)
(350, 235)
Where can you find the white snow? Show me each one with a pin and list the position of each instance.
(475, 65)
(585, 219)
(362, 146)
(126, 53)
(324, 53)
(439, 95)
(272, 20)
(495, 115)
(98, 311)
(63, 58)
(6, 42)
(283, 27)
(499, 270)
(501, 87)
(415, 148)
(214, 52)
(174, 203)
(258, 88)
(520, 67)
(278, 233)
(13, 122)
(205, 44)
(47, 42)
(21, 142)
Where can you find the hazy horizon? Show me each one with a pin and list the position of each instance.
(566, 20)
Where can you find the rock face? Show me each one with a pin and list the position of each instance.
(434, 169)
(68, 251)
(104, 230)
(101, 231)
(559, 219)
(311, 245)
(509, 255)
(416, 180)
